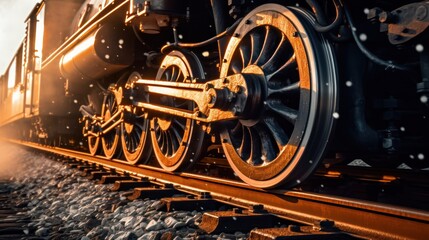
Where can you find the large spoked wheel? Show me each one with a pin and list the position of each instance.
(177, 142)
(110, 140)
(286, 134)
(136, 145)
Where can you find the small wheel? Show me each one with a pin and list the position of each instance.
(136, 145)
(177, 142)
(93, 143)
(287, 127)
(110, 140)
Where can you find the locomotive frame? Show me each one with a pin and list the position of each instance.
(277, 87)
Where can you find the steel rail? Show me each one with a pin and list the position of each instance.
(359, 217)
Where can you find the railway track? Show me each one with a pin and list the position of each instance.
(12, 219)
(312, 214)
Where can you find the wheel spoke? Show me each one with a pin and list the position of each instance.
(236, 66)
(174, 140)
(160, 139)
(270, 44)
(179, 124)
(168, 151)
(287, 113)
(167, 144)
(177, 130)
(244, 53)
(179, 77)
(174, 74)
(244, 149)
(269, 149)
(286, 90)
(135, 140)
(168, 140)
(278, 56)
(289, 65)
(277, 132)
(127, 138)
(256, 40)
(163, 146)
(255, 144)
(130, 142)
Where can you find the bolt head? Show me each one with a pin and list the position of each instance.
(421, 13)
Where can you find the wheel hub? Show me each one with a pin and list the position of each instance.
(256, 86)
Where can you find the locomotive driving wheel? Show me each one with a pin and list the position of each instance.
(110, 140)
(281, 139)
(177, 142)
(136, 145)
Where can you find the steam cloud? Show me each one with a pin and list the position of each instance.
(12, 160)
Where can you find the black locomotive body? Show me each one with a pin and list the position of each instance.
(277, 87)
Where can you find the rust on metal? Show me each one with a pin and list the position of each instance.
(151, 193)
(295, 232)
(189, 204)
(106, 179)
(97, 175)
(124, 185)
(235, 220)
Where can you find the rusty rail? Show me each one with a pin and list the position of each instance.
(358, 217)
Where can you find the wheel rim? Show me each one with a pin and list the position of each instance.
(177, 142)
(277, 145)
(110, 140)
(93, 143)
(134, 133)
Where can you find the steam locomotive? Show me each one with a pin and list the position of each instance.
(277, 87)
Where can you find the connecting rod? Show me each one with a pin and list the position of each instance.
(216, 100)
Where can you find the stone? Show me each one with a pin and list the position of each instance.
(128, 221)
(154, 235)
(154, 225)
(42, 232)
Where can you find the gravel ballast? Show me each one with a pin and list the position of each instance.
(64, 205)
